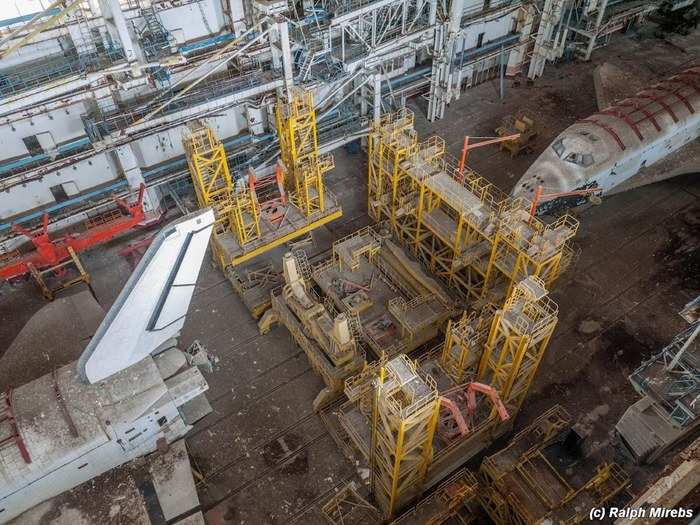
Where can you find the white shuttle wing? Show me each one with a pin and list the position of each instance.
(151, 308)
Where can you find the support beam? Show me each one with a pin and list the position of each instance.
(115, 22)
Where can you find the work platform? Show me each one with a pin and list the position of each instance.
(398, 305)
(368, 301)
(530, 481)
(479, 376)
(230, 252)
(256, 214)
(471, 235)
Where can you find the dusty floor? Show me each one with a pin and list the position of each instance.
(267, 458)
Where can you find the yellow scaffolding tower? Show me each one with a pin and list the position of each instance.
(404, 417)
(245, 227)
(475, 238)
(305, 166)
(390, 142)
(236, 209)
(212, 181)
(464, 345)
(526, 246)
(246, 214)
(519, 335)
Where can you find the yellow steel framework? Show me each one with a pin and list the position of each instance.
(305, 166)
(464, 345)
(526, 246)
(236, 209)
(519, 335)
(212, 181)
(246, 215)
(389, 144)
(522, 487)
(245, 226)
(478, 240)
(501, 348)
(456, 218)
(454, 501)
(347, 506)
(404, 414)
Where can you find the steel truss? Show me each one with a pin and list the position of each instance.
(404, 415)
(522, 487)
(479, 241)
(519, 335)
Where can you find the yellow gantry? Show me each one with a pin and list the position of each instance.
(305, 166)
(519, 335)
(246, 227)
(236, 209)
(405, 412)
(477, 239)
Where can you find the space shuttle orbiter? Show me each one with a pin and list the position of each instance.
(642, 139)
(131, 390)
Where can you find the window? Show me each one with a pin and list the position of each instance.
(480, 40)
(558, 148)
(589, 136)
(580, 159)
(59, 194)
(32, 144)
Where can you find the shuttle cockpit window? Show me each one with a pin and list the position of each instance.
(589, 136)
(558, 147)
(580, 159)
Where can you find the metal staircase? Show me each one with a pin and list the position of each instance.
(153, 36)
(86, 47)
(314, 54)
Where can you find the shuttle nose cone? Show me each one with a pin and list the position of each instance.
(551, 182)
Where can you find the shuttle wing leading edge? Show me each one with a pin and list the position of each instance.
(151, 308)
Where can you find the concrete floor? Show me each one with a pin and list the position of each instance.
(267, 458)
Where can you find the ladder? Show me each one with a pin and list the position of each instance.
(9, 433)
(153, 34)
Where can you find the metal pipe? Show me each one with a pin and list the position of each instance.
(345, 97)
(502, 71)
(182, 93)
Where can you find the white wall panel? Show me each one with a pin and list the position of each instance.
(86, 175)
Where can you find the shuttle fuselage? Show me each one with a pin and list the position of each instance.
(613, 145)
